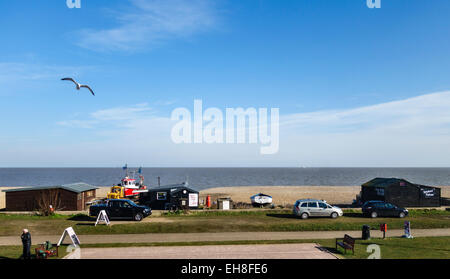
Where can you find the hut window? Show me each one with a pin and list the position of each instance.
(89, 194)
(79, 196)
(161, 196)
(380, 191)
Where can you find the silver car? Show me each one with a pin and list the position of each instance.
(316, 208)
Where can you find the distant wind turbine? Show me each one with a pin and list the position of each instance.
(79, 86)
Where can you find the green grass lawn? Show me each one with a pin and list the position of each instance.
(402, 248)
(15, 252)
(218, 221)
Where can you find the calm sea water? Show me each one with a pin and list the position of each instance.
(202, 178)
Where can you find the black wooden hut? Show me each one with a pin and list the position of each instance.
(169, 197)
(400, 192)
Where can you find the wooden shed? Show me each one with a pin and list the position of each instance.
(70, 197)
(171, 196)
(400, 192)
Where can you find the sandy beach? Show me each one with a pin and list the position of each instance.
(282, 195)
(286, 195)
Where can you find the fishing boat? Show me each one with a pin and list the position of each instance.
(131, 187)
(128, 187)
(261, 200)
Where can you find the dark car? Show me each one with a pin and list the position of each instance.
(121, 209)
(383, 209)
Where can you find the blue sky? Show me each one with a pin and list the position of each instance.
(332, 67)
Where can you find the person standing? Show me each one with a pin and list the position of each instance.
(26, 244)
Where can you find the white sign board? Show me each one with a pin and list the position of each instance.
(428, 193)
(102, 217)
(226, 205)
(73, 236)
(193, 200)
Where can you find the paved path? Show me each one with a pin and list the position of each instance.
(269, 251)
(226, 236)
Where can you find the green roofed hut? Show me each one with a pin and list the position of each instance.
(67, 197)
(400, 192)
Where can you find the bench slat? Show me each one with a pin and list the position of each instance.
(348, 243)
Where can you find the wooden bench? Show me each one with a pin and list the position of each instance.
(348, 243)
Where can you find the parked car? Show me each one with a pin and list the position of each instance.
(383, 209)
(121, 209)
(316, 208)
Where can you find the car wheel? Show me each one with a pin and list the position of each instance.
(334, 215)
(373, 214)
(138, 217)
(401, 215)
(304, 216)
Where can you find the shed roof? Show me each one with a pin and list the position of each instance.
(384, 182)
(74, 187)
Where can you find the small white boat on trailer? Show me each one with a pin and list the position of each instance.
(261, 200)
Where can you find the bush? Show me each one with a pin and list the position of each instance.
(48, 202)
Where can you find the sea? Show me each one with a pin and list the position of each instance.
(203, 178)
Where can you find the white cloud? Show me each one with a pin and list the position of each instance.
(150, 22)
(121, 113)
(410, 132)
(85, 124)
(114, 117)
(13, 72)
(427, 113)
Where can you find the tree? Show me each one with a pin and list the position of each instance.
(47, 198)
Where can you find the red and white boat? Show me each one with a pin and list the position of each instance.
(131, 188)
(128, 188)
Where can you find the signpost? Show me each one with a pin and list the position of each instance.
(102, 217)
(73, 236)
(383, 228)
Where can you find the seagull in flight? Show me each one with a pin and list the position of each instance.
(79, 86)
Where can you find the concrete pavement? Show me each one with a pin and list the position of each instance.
(269, 251)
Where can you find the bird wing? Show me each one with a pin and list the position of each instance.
(70, 79)
(86, 86)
